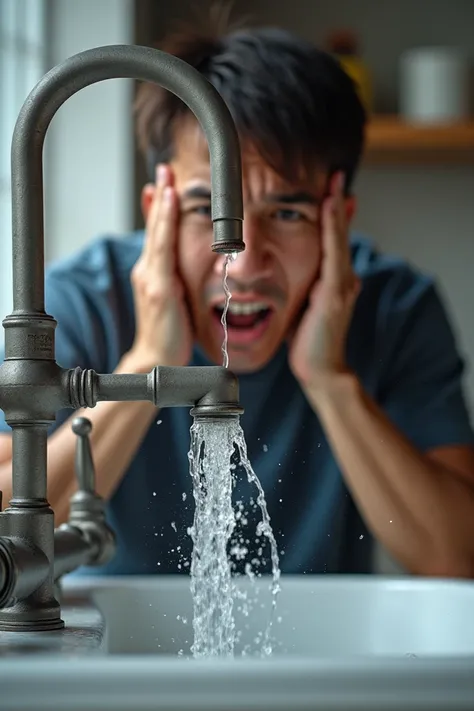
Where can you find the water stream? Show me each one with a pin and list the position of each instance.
(214, 521)
(215, 447)
(228, 258)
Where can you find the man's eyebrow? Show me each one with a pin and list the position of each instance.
(300, 197)
(199, 192)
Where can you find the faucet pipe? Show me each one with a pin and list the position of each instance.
(23, 569)
(212, 389)
(73, 549)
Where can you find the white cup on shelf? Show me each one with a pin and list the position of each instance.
(434, 85)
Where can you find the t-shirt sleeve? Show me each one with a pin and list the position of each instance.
(423, 387)
(78, 335)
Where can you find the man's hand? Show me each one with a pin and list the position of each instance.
(163, 330)
(318, 347)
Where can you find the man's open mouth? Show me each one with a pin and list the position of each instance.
(244, 315)
(246, 321)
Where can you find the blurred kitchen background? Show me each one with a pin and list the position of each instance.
(416, 187)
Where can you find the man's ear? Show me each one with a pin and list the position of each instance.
(147, 195)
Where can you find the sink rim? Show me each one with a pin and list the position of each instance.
(74, 582)
(232, 685)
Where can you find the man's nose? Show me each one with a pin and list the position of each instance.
(255, 261)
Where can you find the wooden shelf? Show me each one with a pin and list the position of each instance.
(391, 140)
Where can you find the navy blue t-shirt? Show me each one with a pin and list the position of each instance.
(400, 345)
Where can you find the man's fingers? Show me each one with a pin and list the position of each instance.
(161, 227)
(163, 245)
(164, 178)
(336, 264)
(333, 259)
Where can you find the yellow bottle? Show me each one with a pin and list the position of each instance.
(343, 45)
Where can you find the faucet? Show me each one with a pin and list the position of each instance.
(33, 386)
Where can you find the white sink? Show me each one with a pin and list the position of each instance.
(342, 643)
(323, 617)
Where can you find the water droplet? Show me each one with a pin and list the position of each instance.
(158, 422)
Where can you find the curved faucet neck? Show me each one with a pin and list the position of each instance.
(62, 82)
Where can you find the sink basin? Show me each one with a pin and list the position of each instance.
(315, 618)
(340, 643)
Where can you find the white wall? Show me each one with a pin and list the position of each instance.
(89, 146)
(427, 215)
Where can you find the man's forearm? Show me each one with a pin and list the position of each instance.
(118, 429)
(419, 511)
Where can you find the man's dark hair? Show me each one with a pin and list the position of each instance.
(290, 100)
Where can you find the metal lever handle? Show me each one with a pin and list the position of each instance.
(84, 463)
(86, 539)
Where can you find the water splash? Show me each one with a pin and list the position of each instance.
(230, 257)
(213, 448)
(263, 528)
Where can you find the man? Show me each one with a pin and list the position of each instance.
(349, 374)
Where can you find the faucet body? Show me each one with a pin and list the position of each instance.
(33, 386)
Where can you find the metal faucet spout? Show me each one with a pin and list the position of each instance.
(62, 82)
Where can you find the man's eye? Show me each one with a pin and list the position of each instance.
(203, 210)
(287, 215)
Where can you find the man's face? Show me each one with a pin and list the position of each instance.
(269, 281)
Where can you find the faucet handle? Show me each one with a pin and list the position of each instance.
(87, 508)
(84, 463)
